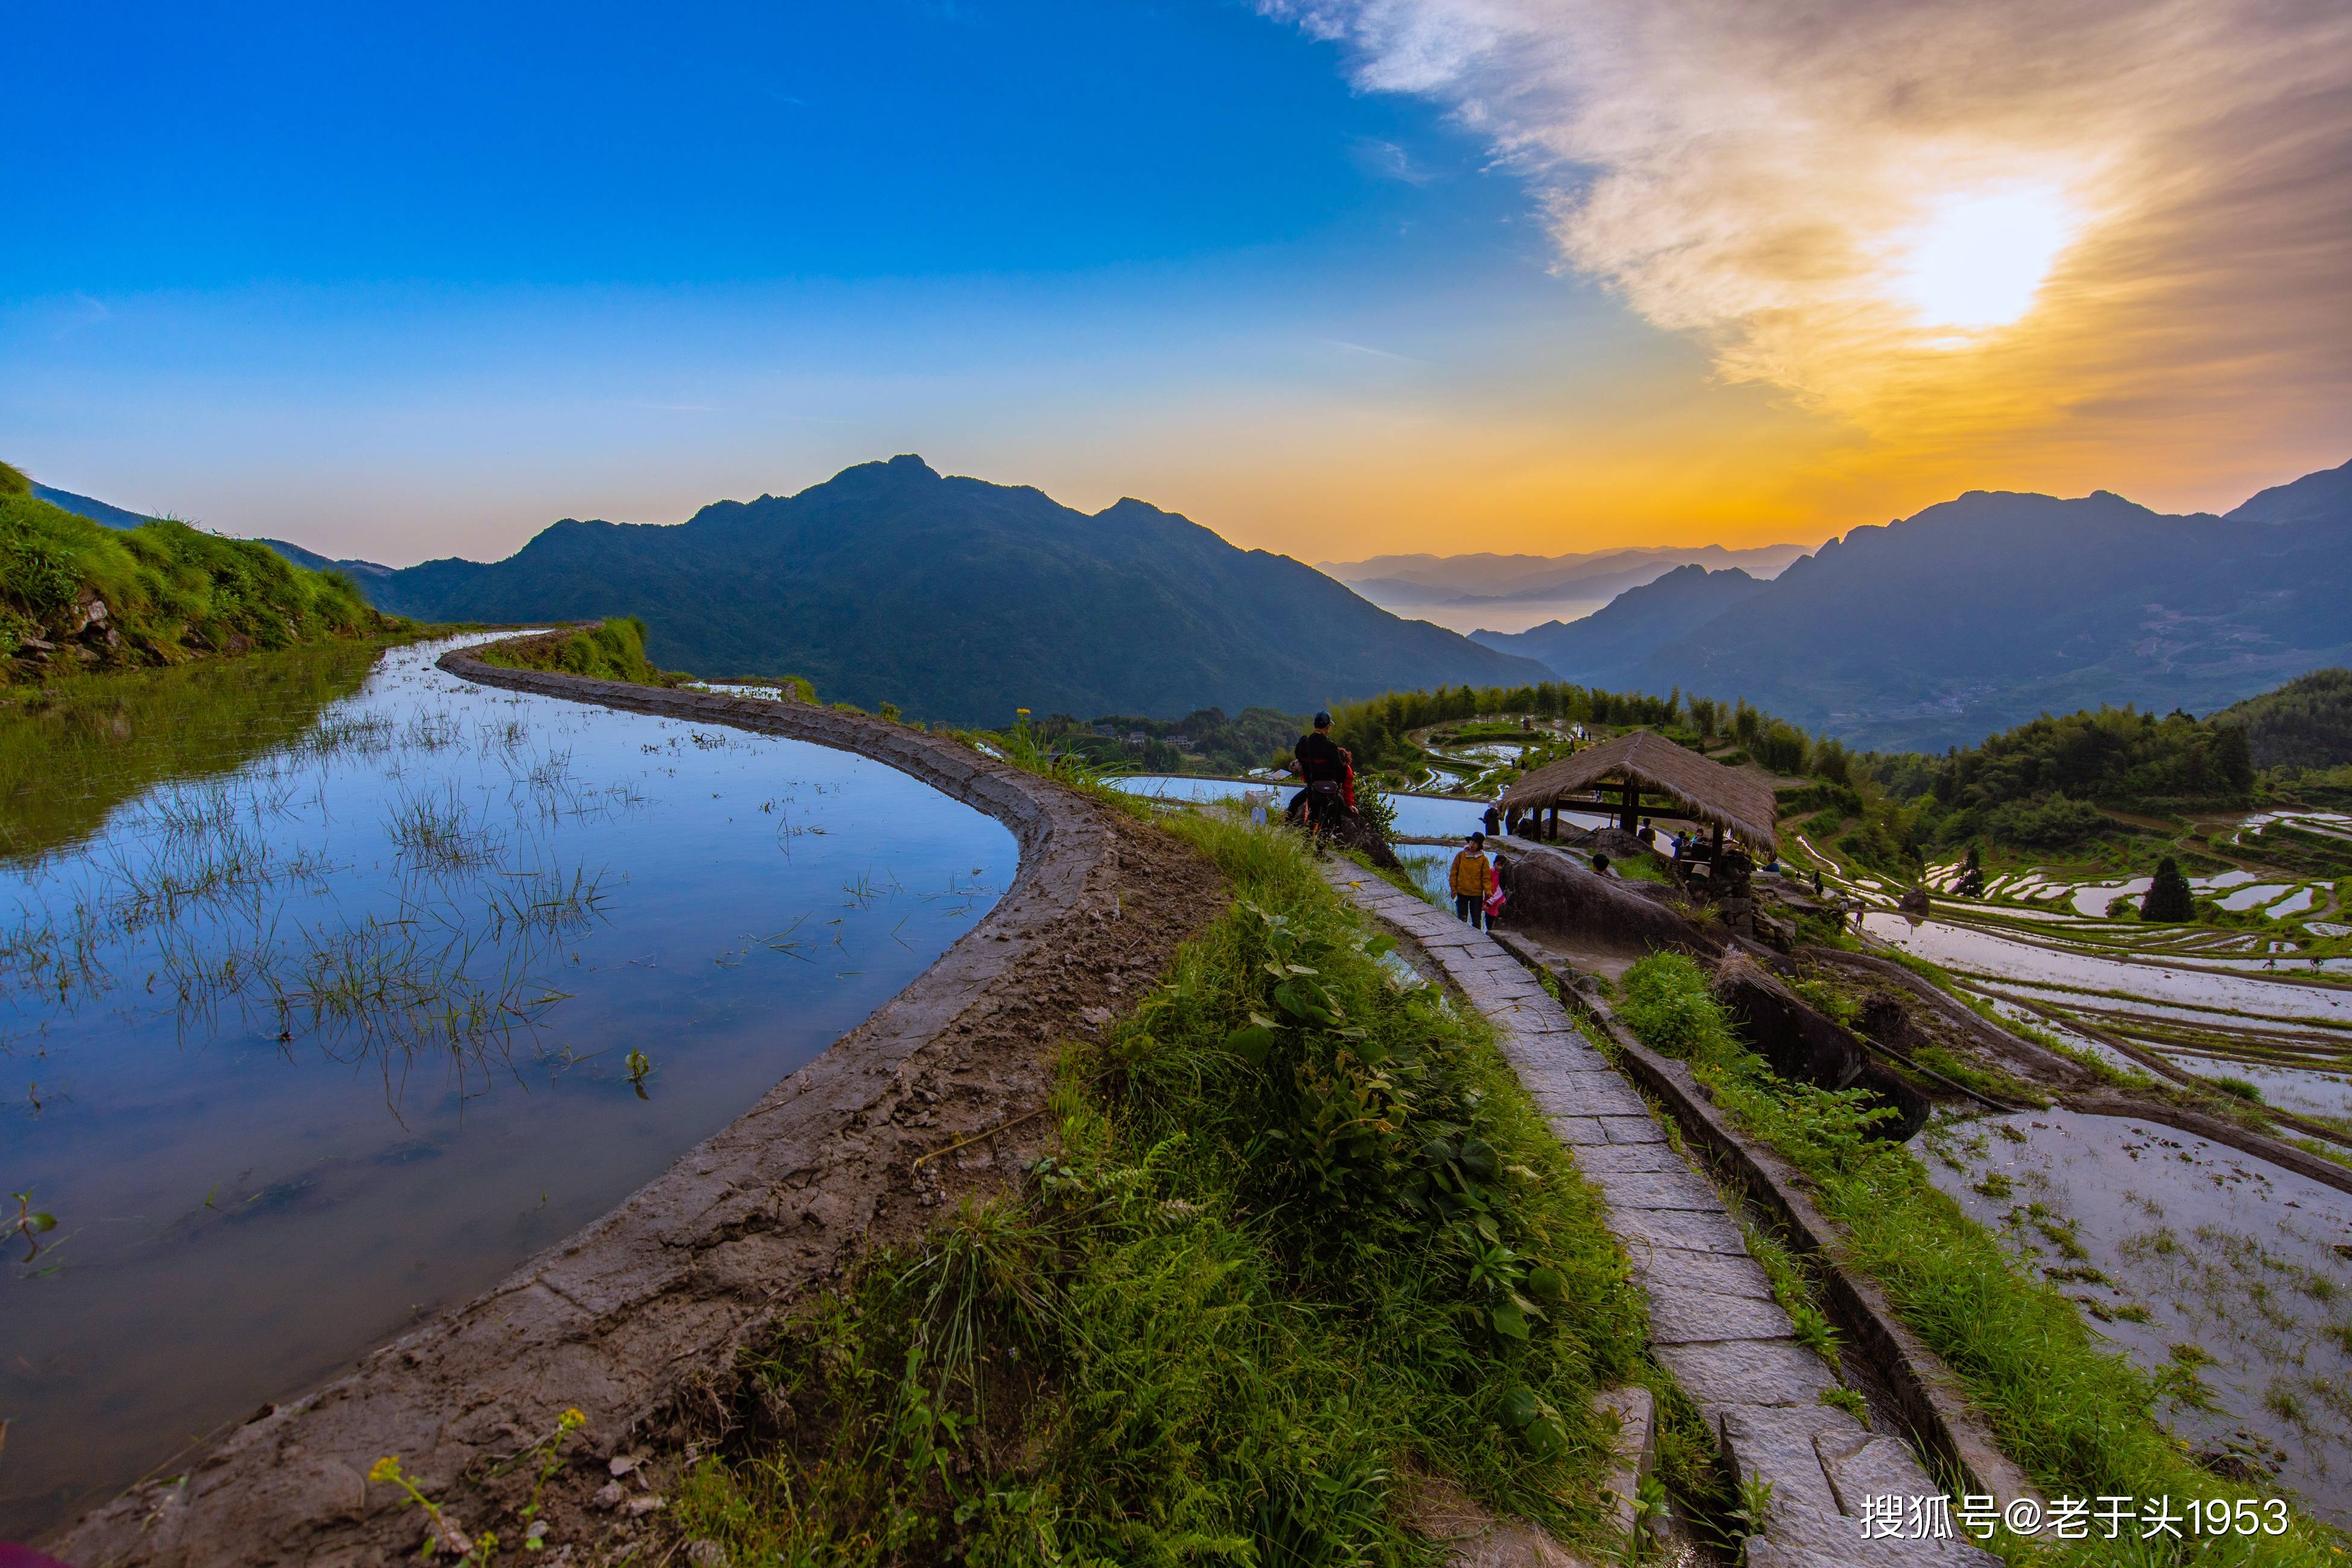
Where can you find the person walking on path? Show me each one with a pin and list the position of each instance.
(1494, 819)
(1472, 878)
(1322, 767)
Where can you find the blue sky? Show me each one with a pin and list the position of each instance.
(585, 144)
(408, 281)
(415, 281)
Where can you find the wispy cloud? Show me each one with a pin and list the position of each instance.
(1376, 354)
(1766, 175)
(1387, 160)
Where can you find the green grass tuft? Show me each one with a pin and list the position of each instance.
(1301, 1227)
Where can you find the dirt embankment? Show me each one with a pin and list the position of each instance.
(637, 1319)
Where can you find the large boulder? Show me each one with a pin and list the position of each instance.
(1554, 891)
(1805, 1045)
(1784, 1030)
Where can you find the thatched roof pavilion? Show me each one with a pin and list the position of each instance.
(1708, 791)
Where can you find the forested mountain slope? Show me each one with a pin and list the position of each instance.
(962, 600)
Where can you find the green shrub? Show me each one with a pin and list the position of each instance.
(2169, 896)
(610, 651)
(2046, 822)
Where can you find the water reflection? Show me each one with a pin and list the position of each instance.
(304, 1046)
(72, 752)
(1983, 953)
(1417, 815)
(2200, 1263)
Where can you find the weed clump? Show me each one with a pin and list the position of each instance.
(613, 649)
(1300, 1227)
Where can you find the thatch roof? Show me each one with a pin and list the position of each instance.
(1709, 792)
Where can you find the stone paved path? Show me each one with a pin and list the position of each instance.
(1713, 1321)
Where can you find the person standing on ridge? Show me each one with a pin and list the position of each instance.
(1323, 768)
(1472, 878)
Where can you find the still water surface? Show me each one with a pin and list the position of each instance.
(319, 1034)
(1417, 815)
(2196, 1261)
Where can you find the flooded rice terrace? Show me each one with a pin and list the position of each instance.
(2221, 1276)
(331, 987)
(2226, 1278)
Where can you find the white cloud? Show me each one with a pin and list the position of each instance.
(1759, 174)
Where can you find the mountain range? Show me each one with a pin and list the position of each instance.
(962, 600)
(1515, 591)
(1609, 648)
(96, 511)
(1980, 612)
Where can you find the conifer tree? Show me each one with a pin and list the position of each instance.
(2167, 897)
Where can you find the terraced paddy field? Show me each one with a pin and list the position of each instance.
(332, 987)
(2223, 1276)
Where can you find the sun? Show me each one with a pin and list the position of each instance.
(1979, 261)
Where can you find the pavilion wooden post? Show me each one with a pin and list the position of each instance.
(1551, 832)
(1632, 817)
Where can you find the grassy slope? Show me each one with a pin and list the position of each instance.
(610, 651)
(170, 592)
(1271, 1261)
(2078, 1414)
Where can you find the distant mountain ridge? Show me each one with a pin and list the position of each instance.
(96, 511)
(1976, 613)
(2311, 498)
(311, 559)
(963, 600)
(1511, 594)
(1486, 579)
(1607, 647)
(959, 599)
